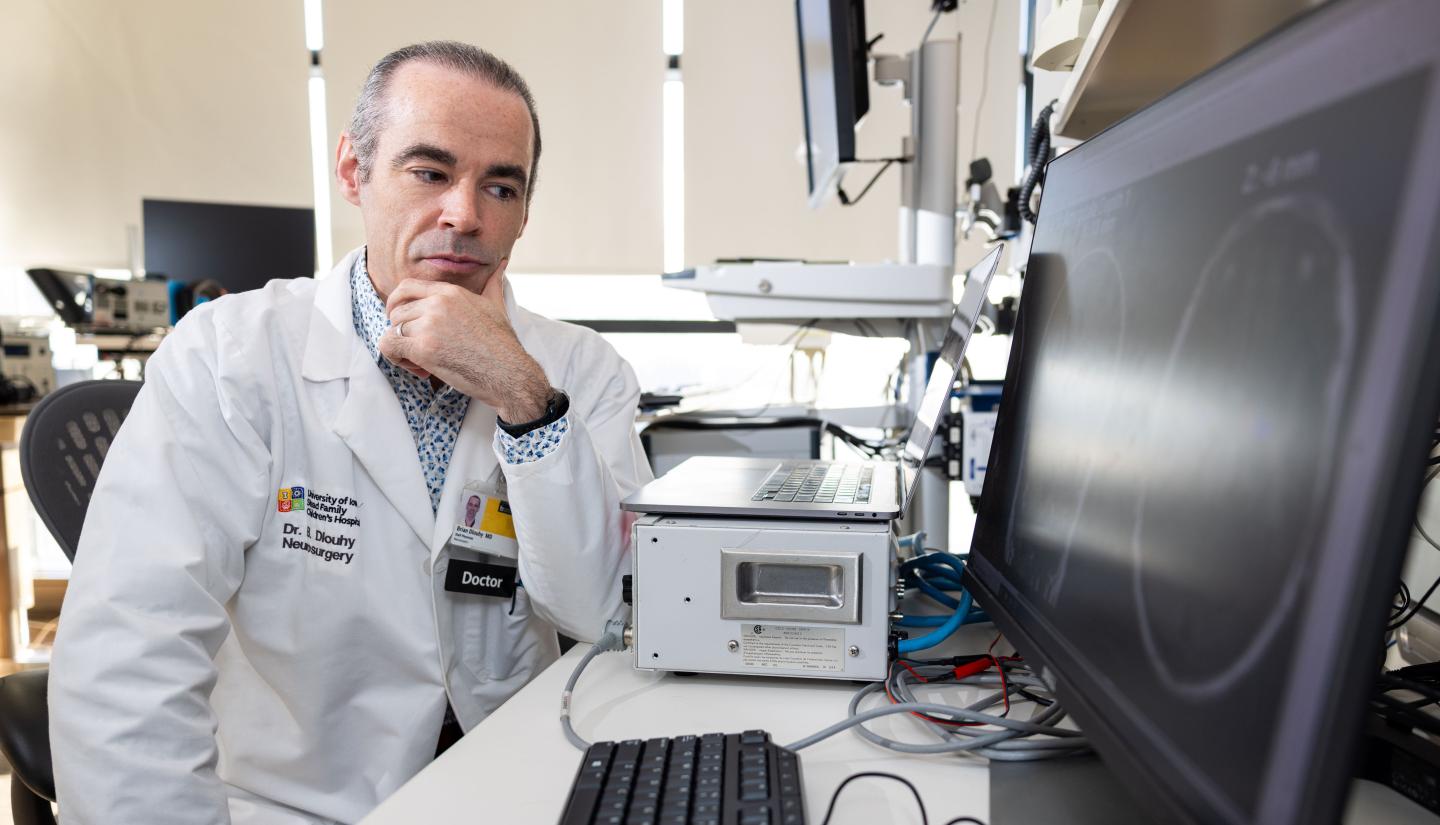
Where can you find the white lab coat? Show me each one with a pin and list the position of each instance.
(208, 671)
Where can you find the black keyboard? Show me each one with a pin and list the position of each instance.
(715, 779)
(833, 483)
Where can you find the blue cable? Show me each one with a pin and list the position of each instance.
(939, 567)
(936, 559)
(941, 570)
(976, 615)
(941, 633)
(935, 593)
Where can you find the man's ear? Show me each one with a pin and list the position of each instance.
(347, 170)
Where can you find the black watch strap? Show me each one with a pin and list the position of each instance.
(555, 409)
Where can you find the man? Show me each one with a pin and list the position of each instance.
(260, 627)
(472, 510)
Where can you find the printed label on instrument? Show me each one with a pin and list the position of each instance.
(792, 648)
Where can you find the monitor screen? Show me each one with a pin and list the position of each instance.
(834, 86)
(941, 384)
(238, 245)
(1216, 413)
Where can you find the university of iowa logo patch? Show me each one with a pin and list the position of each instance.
(291, 499)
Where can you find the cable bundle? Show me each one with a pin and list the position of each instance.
(936, 574)
(971, 730)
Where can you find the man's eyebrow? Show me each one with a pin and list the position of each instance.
(508, 170)
(424, 151)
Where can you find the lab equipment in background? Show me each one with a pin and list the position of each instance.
(797, 291)
(238, 246)
(973, 428)
(803, 583)
(731, 486)
(765, 597)
(1169, 530)
(87, 302)
(834, 64)
(25, 364)
(129, 306)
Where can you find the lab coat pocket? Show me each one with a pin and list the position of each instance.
(494, 639)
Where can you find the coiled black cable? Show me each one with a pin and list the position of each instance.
(1037, 154)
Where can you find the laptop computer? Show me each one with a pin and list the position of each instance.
(858, 490)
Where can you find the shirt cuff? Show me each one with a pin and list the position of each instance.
(534, 445)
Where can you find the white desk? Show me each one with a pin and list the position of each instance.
(517, 766)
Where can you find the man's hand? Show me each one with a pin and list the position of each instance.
(466, 341)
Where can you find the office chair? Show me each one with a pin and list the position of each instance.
(62, 447)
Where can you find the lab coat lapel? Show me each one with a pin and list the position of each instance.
(369, 420)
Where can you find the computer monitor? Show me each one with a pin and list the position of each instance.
(834, 86)
(1217, 411)
(240, 246)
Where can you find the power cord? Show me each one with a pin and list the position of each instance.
(885, 163)
(924, 816)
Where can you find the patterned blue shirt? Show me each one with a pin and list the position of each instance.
(434, 417)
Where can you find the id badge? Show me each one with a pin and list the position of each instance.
(485, 523)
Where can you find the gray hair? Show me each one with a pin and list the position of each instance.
(369, 117)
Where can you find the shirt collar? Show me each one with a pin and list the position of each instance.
(367, 310)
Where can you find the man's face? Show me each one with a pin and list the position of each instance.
(471, 508)
(445, 200)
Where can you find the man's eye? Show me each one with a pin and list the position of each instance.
(429, 175)
(504, 193)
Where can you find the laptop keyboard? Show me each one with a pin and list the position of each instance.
(820, 483)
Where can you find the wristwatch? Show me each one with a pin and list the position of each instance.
(555, 408)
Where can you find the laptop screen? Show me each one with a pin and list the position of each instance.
(946, 369)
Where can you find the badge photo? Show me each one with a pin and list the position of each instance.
(485, 523)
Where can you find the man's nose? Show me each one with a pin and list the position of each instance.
(461, 212)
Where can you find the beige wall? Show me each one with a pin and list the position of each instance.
(595, 69)
(108, 102)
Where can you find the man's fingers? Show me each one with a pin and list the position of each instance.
(407, 312)
(398, 351)
(412, 289)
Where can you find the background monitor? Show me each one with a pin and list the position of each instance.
(70, 294)
(1217, 411)
(240, 246)
(834, 86)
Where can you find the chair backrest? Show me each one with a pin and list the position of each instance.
(62, 447)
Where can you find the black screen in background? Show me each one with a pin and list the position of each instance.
(239, 245)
